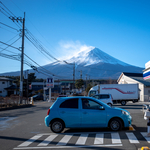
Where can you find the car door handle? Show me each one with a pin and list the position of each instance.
(63, 112)
(84, 112)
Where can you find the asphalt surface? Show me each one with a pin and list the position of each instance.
(24, 128)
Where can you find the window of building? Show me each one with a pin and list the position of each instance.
(71, 103)
(0, 91)
(3, 82)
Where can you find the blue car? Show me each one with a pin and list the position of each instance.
(85, 112)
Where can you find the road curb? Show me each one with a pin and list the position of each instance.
(16, 107)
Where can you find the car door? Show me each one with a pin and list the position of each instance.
(94, 115)
(70, 113)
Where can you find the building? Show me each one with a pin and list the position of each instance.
(61, 87)
(146, 72)
(35, 86)
(136, 78)
(7, 87)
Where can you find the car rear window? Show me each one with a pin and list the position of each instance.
(71, 103)
(104, 96)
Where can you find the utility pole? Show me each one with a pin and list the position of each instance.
(81, 74)
(22, 52)
(26, 78)
(22, 58)
(86, 80)
(73, 73)
(73, 77)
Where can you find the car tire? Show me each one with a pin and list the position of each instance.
(123, 103)
(57, 126)
(115, 124)
(109, 104)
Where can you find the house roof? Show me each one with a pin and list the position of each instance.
(136, 76)
(133, 74)
(5, 79)
(12, 87)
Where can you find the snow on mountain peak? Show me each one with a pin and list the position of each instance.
(93, 55)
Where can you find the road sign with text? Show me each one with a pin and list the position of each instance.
(50, 83)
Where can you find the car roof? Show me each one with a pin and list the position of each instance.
(101, 94)
(65, 98)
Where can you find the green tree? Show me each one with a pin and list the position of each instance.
(79, 83)
(89, 86)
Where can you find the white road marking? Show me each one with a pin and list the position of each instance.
(64, 140)
(28, 142)
(47, 140)
(115, 138)
(132, 138)
(99, 139)
(77, 146)
(81, 142)
(82, 139)
(145, 136)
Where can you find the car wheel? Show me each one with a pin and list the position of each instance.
(123, 103)
(134, 101)
(115, 124)
(57, 126)
(109, 104)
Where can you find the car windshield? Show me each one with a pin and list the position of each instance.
(35, 95)
(103, 103)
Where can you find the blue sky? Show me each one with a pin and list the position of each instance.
(120, 28)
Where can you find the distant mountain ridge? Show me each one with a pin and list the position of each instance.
(93, 62)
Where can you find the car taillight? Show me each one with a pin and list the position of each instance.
(48, 111)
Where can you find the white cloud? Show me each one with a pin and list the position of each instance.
(68, 49)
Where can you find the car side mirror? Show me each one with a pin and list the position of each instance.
(101, 108)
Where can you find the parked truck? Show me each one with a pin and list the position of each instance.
(121, 93)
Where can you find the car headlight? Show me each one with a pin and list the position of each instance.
(125, 113)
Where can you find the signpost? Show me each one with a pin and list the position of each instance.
(50, 84)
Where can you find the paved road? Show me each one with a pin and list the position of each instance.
(25, 129)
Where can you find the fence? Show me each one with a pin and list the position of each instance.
(11, 101)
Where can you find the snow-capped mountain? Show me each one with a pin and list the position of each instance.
(93, 56)
(94, 64)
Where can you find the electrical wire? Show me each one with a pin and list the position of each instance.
(31, 39)
(8, 26)
(10, 44)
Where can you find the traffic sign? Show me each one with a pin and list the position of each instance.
(50, 82)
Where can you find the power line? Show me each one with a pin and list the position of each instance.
(3, 12)
(10, 44)
(41, 48)
(7, 8)
(8, 26)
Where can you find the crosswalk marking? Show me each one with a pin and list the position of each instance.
(99, 139)
(146, 137)
(28, 142)
(48, 140)
(132, 138)
(64, 140)
(115, 138)
(82, 139)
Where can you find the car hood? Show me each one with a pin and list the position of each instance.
(120, 109)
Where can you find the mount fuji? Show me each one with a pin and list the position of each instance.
(92, 63)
